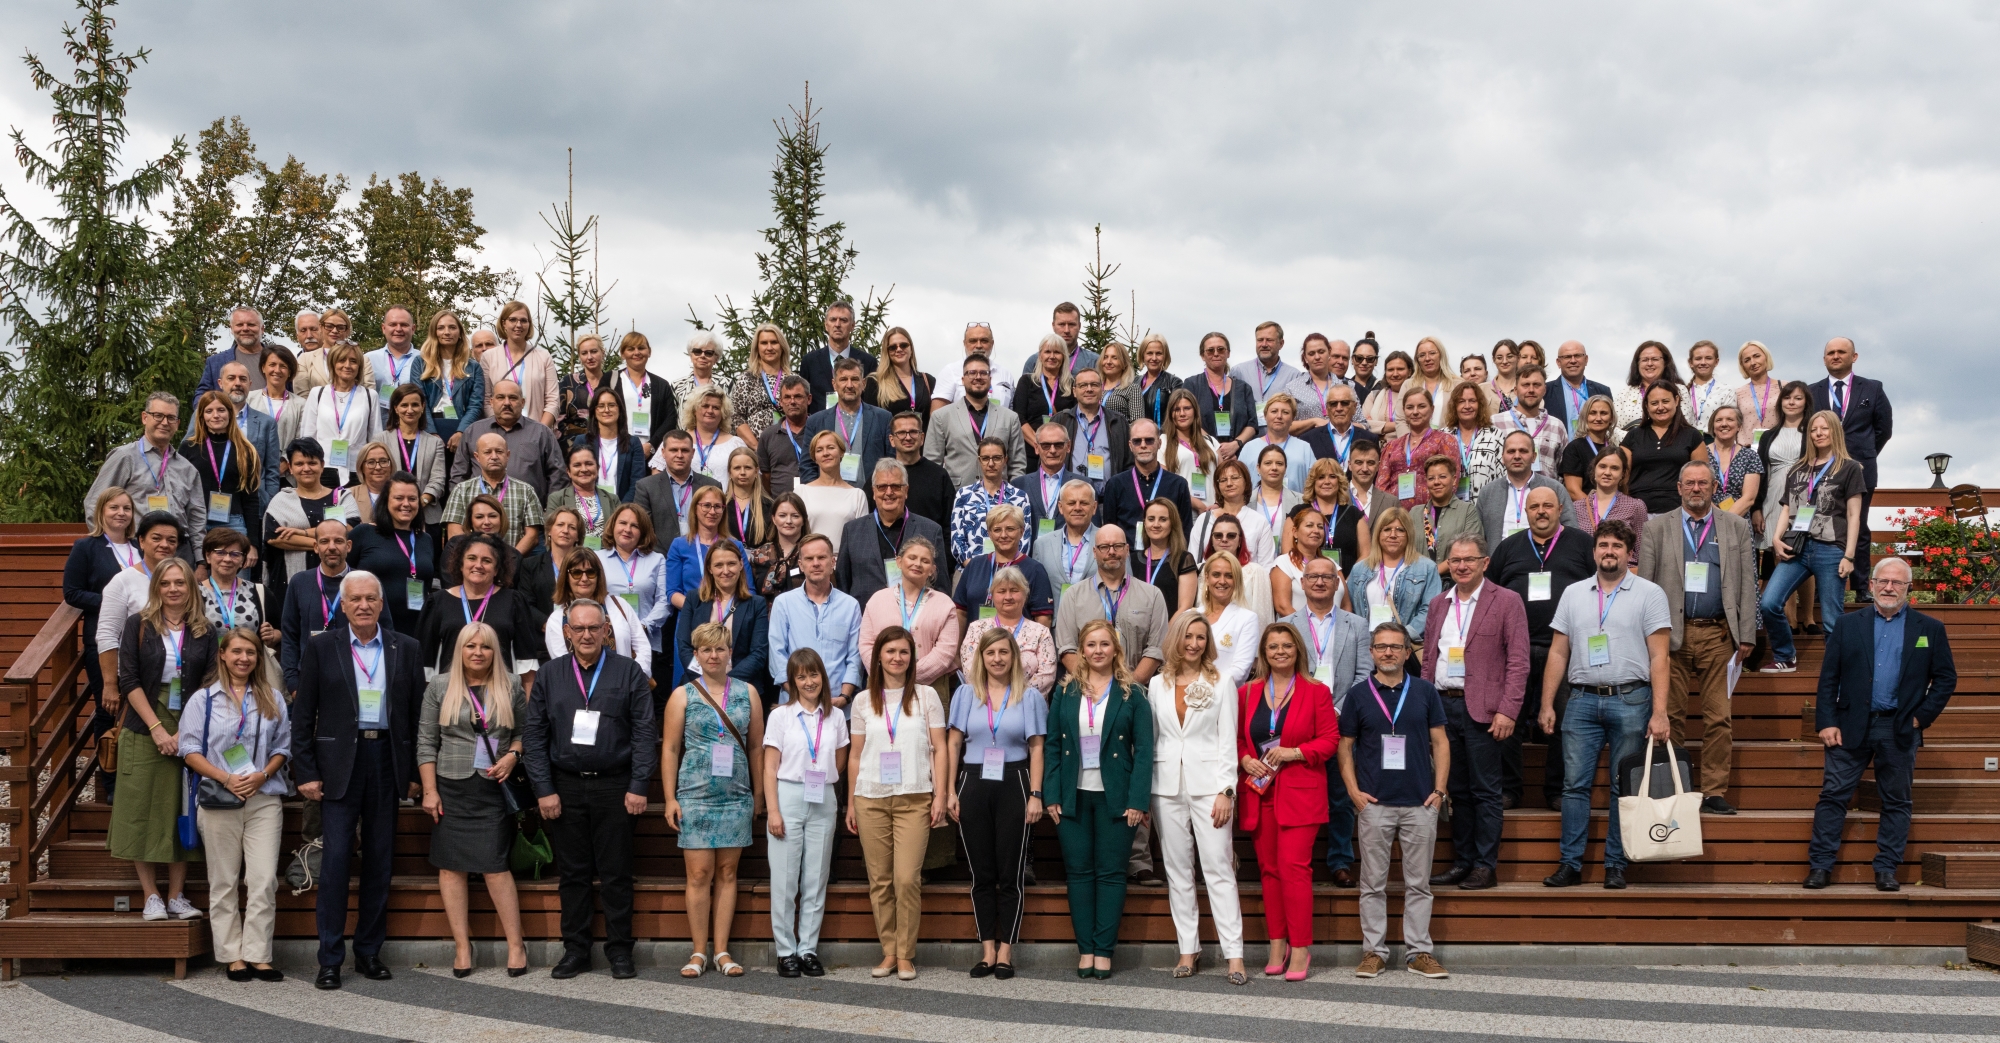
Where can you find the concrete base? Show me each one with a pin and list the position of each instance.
(301, 955)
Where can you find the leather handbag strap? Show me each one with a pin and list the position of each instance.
(720, 712)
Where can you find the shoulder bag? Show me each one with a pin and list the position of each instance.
(212, 794)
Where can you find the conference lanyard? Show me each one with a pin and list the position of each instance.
(1090, 705)
(587, 505)
(327, 606)
(367, 672)
(1385, 578)
(118, 555)
(978, 422)
(213, 467)
(1144, 496)
(770, 388)
(897, 542)
(1111, 605)
(596, 674)
(1280, 707)
(798, 451)
(1400, 698)
(396, 372)
(1342, 446)
(1266, 379)
(992, 722)
(910, 612)
(1319, 643)
(1577, 397)
(408, 450)
(409, 551)
(1695, 543)
(1519, 498)
(703, 453)
(1604, 606)
(1074, 555)
(340, 408)
(226, 608)
(607, 458)
(1812, 484)
(1702, 402)
(813, 737)
(849, 431)
(1759, 398)
(631, 568)
(1596, 516)
(1153, 565)
(514, 367)
(1542, 553)
(497, 493)
(1540, 423)
(465, 604)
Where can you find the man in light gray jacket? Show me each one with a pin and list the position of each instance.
(955, 431)
(1503, 503)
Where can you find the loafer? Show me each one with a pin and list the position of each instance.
(1003, 971)
(327, 978)
(621, 965)
(982, 969)
(1343, 877)
(1450, 876)
(267, 974)
(372, 967)
(788, 967)
(1614, 880)
(1564, 876)
(1716, 806)
(809, 963)
(1886, 881)
(239, 974)
(1509, 802)
(1818, 879)
(1479, 879)
(571, 965)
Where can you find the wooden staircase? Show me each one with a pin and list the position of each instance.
(1743, 890)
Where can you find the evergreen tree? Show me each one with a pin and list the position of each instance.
(808, 261)
(414, 246)
(1100, 319)
(575, 305)
(79, 290)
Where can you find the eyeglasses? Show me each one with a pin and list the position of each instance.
(1120, 547)
(1340, 403)
(702, 353)
(1388, 646)
(888, 486)
(1057, 444)
(238, 554)
(1136, 440)
(154, 414)
(1311, 576)
(1462, 561)
(1891, 582)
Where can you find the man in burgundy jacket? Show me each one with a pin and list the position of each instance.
(1476, 653)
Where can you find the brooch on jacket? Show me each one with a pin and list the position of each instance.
(1199, 695)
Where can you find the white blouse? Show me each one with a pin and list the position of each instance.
(793, 732)
(330, 415)
(913, 740)
(830, 508)
(1256, 533)
(628, 635)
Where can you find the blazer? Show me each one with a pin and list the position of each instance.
(1298, 796)
(1663, 559)
(1556, 400)
(1869, 420)
(874, 444)
(468, 400)
(1455, 519)
(953, 445)
(1117, 436)
(1847, 675)
(749, 640)
(429, 469)
(1347, 650)
(860, 570)
(1121, 504)
(664, 408)
(1200, 752)
(1496, 651)
(452, 747)
(324, 715)
(656, 494)
(142, 661)
(817, 368)
(91, 565)
(631, 466)
(1031, 485)
(303, 615)
(1125, 757)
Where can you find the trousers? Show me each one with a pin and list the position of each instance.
(1284, 862)
(1096, 843)
(1476, 813)
(1701, 669)
(593, 841)
(993, 826)
(800, 863)
(895, 835)
(1895, 761)
(1416, 829)
(370, 803)
(1185, 829)
(1820, 561)
(241, 848)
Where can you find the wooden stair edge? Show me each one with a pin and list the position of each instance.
(60, 935)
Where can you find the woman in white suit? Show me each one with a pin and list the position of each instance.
(1194, 788)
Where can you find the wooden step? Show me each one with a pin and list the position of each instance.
(92, 935)
(1956, 724)
(1961, 869)
(1939, 796)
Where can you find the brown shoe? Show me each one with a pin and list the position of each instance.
(1343, 877)
(1371, 965)
(1425, 964)
(1479, 879)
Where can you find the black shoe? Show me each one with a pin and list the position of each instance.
(1564, 876)
(461, 972)
(571, 965)
(515, 972)
(327, 978)
(267, 974)
(1886, 881)
(1555, 803)
(1479, 879)
(809, 963)
(1811, 630)
(372, 967)
(621, 965)
(1614, 880)
(1509, 802)
(1003, 971)
(788, 967)
(981, 969)
(1343, 877)
(1450, 876)
(1818, 879)
(240, 974)
(1716, 806)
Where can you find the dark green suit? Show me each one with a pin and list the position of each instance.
(1095, 839)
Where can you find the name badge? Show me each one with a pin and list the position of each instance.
(174, 695)
(1539, 586)
(336, 453)
(1394, 753)
(1511, 528)
(218, 507)
(1094, 466)
(1323, 673)
(1727, 503)
(890, 768)
(1406, 486)
(1454, 661)
(593, 542)
(815, 780)
(1045, 526)
(236, 759)
(156, 502)
(986, 545)
(631, 600)
(995, 764)
(1465, 487)
(1222, 425)
(831, 398)
(371, 706)
(850, 467)
(892, 574)
(1199, 483)
(1597, 648)
(583, 728)
(1696, 580)
(722, 760)
(1803, 521)
(988, 612)
(382, 392)
(1092, 751)
(446, 409)
(481, 759)
(642, 420)
(413, 593)
(1378, 615)
(1331, 555)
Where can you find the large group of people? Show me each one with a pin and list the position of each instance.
(1291, 600)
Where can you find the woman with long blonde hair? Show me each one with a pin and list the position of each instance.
(1434, 370)
(1394, 581)
(454, 385)
(997, 725)
(229, 465)
(1194, 778)
(897, 385)
(1225, 604)
(756, 391)
(1823, 499)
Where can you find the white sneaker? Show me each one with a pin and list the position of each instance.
(155, 909)
(182, 908)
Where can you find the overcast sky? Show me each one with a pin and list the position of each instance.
(1608, 173)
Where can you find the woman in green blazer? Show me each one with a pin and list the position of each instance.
(1100, 782)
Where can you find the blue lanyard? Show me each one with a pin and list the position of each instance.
(596, 674)
(1111, 606)
(1146, 497)
(227, 610)
(1542, 553)
(1695, 542)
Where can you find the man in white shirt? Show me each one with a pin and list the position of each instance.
(978, 340)
(396, 362)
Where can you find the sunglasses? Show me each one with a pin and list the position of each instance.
(1143, 441)
(703, 353)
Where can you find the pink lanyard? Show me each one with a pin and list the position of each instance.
(409, 551)
(119, 555)
(500, 493)
(408, 450)
(1597, 517)
(1089, 704)
(1153, 565)
(587, 505)
(515, 364)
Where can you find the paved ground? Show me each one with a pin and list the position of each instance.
(1639, 1004)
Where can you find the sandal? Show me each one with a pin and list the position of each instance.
(1238, 978)
(730, 968)
(695, 966)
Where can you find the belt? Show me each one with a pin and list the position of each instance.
(1609, 690)
(1891, 712)
(373, 733)
(1452, 693)
(593, 774)
(1708, 622)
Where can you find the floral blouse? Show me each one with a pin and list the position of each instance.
(968, 517)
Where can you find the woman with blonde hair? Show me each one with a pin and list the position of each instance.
(1186, 449)
(454, 386)
(1099, 771)
(166, 648)
(1706, 392)
(1146, 396)
(1433, 370)
(527, 365)
(1114, 364)
(748, 513)
(1758, 395)
(1598, 432)
(647, 403)
(702, 419)
(1194, 786)
(1394, 581)
(468, 742)
(997, 725)
(579, 387)
(756, 391)
(232, 473)
(1226, 537)
(1330, 494)
(1043, 393)
(924, 611)
(897, 385)
(1235, 626)
(373, 465)
(830, 502)
(342, 415)
(1822, 501)
(898, 771)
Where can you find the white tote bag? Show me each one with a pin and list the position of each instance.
(1662, 829)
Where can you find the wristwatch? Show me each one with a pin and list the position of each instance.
(1035, 794)
(1230, 793)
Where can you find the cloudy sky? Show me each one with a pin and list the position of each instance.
(1609, 173)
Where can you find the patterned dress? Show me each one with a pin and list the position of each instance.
(715, 812)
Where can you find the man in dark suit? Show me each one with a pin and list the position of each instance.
(1127, 493)
(1042, 485)
(664, 495)
(817, 366)
(1567, 395)
(866, 543)
(312, 600)
(1867, 422)
(1095, 433)
(1887, 675)
(354, 749)
(864, 428)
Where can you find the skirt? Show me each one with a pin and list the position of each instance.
(149, 798)
(709, 823)
(475, 835)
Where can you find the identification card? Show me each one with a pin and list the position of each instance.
(722, 760)
(1540, 584)
(1323, 673)
(174, 695)
(1696, 581)
(1454, 661)
(156, 502)
(593, 542)
(1465, 487)
(994, 766)
(382, 392)
(1727, 503)
(236, 759)
(413, 593)
(481, 760)
(1045, 526)
(892, 574)
(1093, 465)
(1598, 649)
(371, 706)
(447, 409)
(986, 545)
(815, 781)
(988, 612)
(1093, 746)
(583, 728)
(1378, 615)
(1802, 522)
(170, 669)
(1222, 425)
(336, 454)
(890, 768)
(218, 507)
(642, 420)
(1394, 755)
(1756, 435)
(1406, 486)
(1199, 483)
(850, 467)
(631, 600)
(831, 398)
(1513, 527)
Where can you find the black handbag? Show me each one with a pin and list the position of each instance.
(212, 794)
(515, 788)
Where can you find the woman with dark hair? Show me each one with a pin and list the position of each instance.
(1160, 555)
(484, 594)
(583, 493)
(278, 366)
(1651, 364)
(582, 578)
(231, 472)
(1608, 497)
(802, 743)
(788, 530)
(724, 597)
(1660, 447)
(897, 385)
(484, 516)
(1383, 413)
(227, 599)
(398, 553)
(621, 454)
(413, 448)
(541, 572)
(898, 769)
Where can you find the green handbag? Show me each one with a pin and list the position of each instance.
(532, 851)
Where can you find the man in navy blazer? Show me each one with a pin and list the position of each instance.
(818, 365)
(1887, 675)
(354, 749)
(864, 427)
(1127, 493)
(1866, 420)
(1568, 392)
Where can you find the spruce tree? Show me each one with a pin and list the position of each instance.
(1100, 319)
(574, 306)
(80, 290)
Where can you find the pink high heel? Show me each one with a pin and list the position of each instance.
(1272, 970)
(1301, 973)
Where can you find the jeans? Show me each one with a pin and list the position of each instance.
(1895, 760)
(1822, 561)
(1591, 721)
(1339, 823)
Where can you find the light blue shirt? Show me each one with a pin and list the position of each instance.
(1298, 460)
(1263, 385)
(1888, 659)
(391, 372)
(647, 578)
(1023, 719)
(372, 656)
(832, 628)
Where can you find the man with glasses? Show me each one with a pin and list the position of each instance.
(1128, 492)
(931, 492)
(1066, 552)
(1336, 656)
(1574, 389)
(1527, 415)
(862, 426)
(957, 429)
(1476, 654)
(1100, 437)
(1134, 607)
(978, 340)
(1886, 676)
(158, 477)
(818, 365)
(1052, 446)
(870, 544)
(330, 330)
(1366, 351)
(666, 494)
(1339, 433)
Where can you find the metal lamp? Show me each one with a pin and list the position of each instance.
(1938, 462)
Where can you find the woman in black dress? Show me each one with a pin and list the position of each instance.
(484, 594)
(1330, 493)
(1659, 447)
(398, 552)
(1160, 555)
(231, 473)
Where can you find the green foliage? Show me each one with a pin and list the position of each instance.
(1100, 319)
(413, 245)
(575, 306)
(81, 289)
(807, 262)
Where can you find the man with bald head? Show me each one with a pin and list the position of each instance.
(1866, 420)
(978, 340)
(518, 502)
(533, 454)
(1566, 396)
(1539, 564)
(1127, 492)
(1133, 606)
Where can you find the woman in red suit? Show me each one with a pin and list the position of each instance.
(1289, 732)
